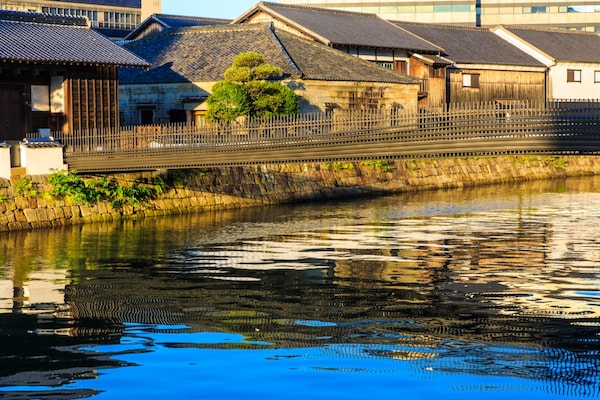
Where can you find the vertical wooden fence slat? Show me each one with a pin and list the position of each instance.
(451, 122)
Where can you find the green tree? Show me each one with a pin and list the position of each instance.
(227, 102)
(248, 88)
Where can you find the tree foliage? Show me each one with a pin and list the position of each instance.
(227, 102)
(248, 88)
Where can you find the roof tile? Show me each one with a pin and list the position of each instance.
(471, 45)
(562, 45)
(202, 54)
(32, 37)
(345, 28)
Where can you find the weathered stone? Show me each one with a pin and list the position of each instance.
(274, 184)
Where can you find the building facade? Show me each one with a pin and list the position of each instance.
(568, 14)
(175, 88)
(113, 18)
(57, 75)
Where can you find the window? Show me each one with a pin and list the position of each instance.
(471, 80)
(40, 98)
(147, 117)
(596, 76)
(534, 10)
(573, 75)
(386, 64)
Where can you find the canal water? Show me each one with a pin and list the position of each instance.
(488, 293)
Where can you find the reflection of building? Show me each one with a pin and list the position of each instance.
(114, 18)
(554, 13)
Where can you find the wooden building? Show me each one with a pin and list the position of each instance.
(57, 74)
(482, 67)
(363, 35)
(187, 62)
(572, 59)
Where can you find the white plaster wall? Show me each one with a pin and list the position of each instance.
(162, 97)
(5, 162)
(587, 89)
(314, 94)
(43, 160)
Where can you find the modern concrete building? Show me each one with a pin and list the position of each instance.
(113, 18)
(569, 14)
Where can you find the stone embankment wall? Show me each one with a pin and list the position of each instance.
(236, 187)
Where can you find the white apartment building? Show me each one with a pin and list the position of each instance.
(569, 14)
(114, 18)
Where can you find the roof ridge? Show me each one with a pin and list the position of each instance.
(444, 26)
(273, 35)
(188, 17)
(316, 9)
(190, 30)
(548, 29)
(228, 27)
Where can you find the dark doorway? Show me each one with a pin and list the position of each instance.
(12, 124)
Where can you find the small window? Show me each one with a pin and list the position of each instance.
(147, 117)
(534, 10)
(471, 80)
(573, 75)
(386, 64)
(596, 76)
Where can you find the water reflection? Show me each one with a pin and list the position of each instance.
(490, 289)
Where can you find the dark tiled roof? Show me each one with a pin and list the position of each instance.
(41, 142)
(174, 21)
(344, 28)
(562, 45)
(181, 21)
(202, 54)
(471, 45)
(320, 62)
(31, 37)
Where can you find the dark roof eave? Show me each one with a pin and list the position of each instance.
(370, 46)
(398, 82)
(69, 62)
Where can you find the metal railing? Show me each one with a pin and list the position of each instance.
(493, 128)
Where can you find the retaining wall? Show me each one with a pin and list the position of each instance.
(236, 187)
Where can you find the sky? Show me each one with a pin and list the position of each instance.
(229, 9)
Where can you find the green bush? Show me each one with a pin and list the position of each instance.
(25, 188)
(71, 186)
(383, 165)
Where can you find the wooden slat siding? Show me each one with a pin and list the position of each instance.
(465, 130)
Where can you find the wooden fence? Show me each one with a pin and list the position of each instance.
(493, 128)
